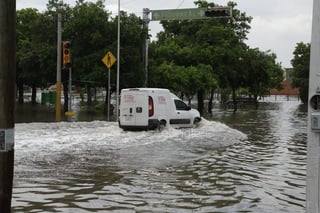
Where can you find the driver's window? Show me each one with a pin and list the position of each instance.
(180, 105)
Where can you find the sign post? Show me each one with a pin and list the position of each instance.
(7, 100)
(108, 60)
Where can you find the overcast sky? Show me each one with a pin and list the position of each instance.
(277, 25)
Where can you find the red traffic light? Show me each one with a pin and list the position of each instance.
(66, 54)
(66, 45)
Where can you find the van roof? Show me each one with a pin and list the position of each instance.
(151, 90)
(146, 89)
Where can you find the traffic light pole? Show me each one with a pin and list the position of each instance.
(7, 100)
(70, 90)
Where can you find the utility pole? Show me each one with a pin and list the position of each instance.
(7, 100)
(313, 145)
(146, 19)
(118, 65)
(58, 85)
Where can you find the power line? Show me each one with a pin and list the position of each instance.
(180, 4)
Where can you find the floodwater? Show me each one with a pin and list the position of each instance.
(251, 161)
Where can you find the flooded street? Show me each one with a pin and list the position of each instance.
(251, 161)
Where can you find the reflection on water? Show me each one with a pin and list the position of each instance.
(254, 163)
(27, 112)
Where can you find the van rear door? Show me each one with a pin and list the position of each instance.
(134, 108)
(141, 109)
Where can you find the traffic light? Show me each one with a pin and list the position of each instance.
(66, 46)
(216, 12)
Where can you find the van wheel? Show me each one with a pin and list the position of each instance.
(196, 122)
(161, 125)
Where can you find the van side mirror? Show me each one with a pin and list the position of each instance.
(188, 108)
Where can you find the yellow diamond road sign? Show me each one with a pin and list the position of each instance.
(109, 59)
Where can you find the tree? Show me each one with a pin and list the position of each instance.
(263, 73)
(211, 43)
(300, 74)
(27, 56)
(133, 36)
(36, 47)
(100, 36)
(92, 31)
(186, 79)
(88, 46)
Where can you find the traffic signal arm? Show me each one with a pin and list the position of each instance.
(216, 12)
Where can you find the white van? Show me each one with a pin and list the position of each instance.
(151, 108)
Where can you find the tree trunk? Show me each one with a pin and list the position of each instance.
(95, 94)
(181, 95)
(210, 102)
(234, 98)
(66, 97)
(89, 96)
(33, 95)
(200, 101)
(20, 93)
(256, 101)
(106, 102)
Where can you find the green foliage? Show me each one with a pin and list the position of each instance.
(92, 32)
(263, 73)
(193, 56)
(30, 47)
(36, 44)
(133, 36)
(87, 30)
(186, 79)
(200, 54)
(189, 56)
(301, 65)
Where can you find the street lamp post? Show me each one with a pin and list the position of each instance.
(118, 63)
(58, 85)
(146, 19)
